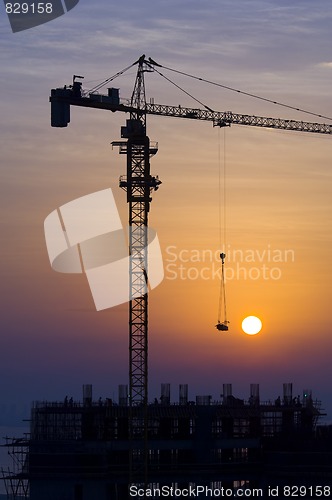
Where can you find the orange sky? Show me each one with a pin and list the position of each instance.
(278, 197)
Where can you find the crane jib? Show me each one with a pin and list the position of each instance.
(62, 98)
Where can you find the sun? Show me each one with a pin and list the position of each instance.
(251, 325)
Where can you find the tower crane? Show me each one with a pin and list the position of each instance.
(139, 184)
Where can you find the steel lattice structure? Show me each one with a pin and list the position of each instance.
(138, 185)
(218, 118)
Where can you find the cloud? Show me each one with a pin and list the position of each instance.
(325, 64)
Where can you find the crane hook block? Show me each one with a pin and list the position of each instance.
(222, 256)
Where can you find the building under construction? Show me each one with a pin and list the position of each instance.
(81, 450)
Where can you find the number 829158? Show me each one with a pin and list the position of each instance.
(29, 8)
(307, 491)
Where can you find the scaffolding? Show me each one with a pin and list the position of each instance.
(16, 478)
(78, 447)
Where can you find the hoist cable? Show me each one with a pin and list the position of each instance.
(219, 187)
(224, 291)
(222, 245)
(219, 223)
(224, 188)
(222, 297)
(271, 101)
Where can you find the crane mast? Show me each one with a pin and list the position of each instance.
(138, 184)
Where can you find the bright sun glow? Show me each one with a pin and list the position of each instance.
(251, 325)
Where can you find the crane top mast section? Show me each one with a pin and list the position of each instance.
(138, 98)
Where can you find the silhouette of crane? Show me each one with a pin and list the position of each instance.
(139, 184)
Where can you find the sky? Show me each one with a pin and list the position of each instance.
(275, 219)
